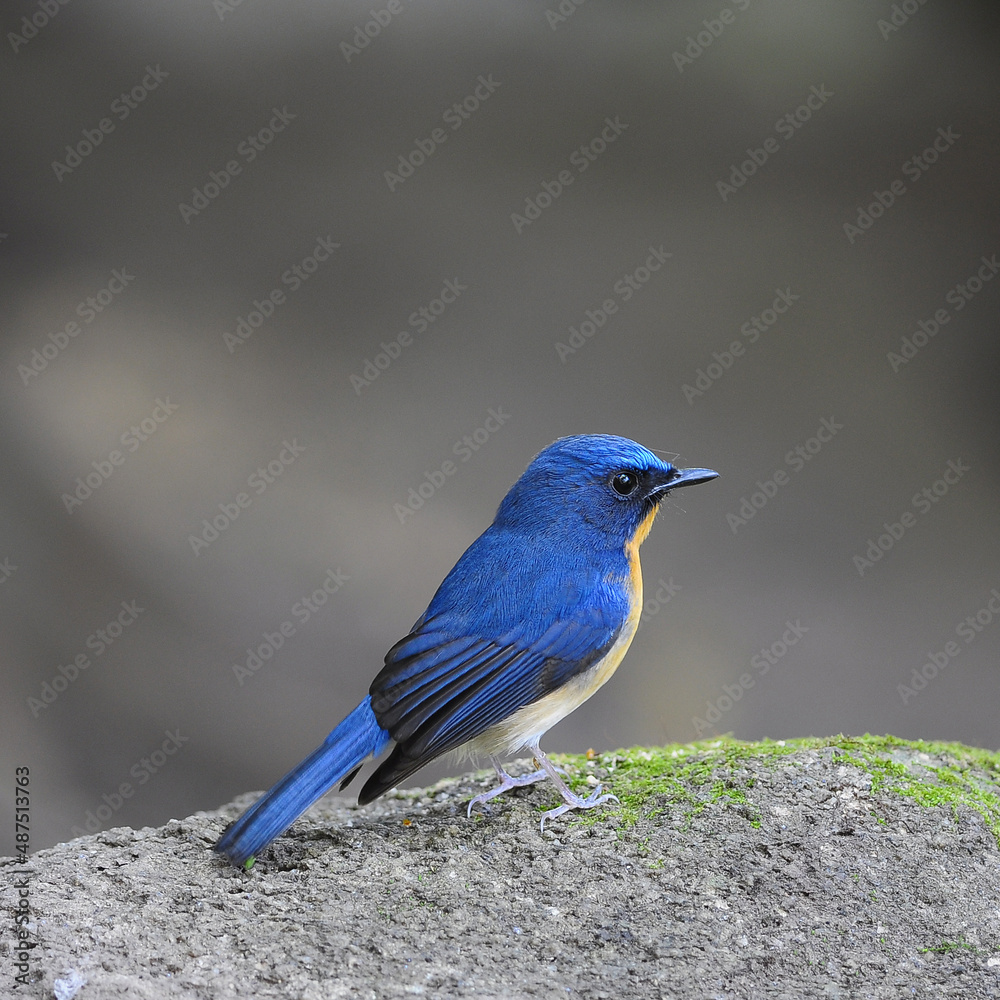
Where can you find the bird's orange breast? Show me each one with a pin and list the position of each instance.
(632, 553)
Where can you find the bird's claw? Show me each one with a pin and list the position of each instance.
(477, 800)
(507, 782)
(597, 797)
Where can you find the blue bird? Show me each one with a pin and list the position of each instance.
(532, 620)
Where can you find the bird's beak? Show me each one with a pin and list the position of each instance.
(692, 477)
(683, 477)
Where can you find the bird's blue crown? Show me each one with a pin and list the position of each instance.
(587, 482)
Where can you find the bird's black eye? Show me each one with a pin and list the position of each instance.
(624, 483)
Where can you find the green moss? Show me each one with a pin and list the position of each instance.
(649, 781)
(969, 777)
(946, 946)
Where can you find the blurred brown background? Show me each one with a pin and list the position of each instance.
(815, 106)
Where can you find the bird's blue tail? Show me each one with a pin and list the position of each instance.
(357, 737)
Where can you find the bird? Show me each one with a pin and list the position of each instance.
(534, 617)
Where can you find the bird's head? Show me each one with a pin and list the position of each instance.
(593, 482)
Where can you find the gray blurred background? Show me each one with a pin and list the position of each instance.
(864, 99)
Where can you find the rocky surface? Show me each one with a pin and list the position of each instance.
(820, 868)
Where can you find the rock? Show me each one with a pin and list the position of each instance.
(863, 867)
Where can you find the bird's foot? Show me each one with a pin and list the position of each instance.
(546, 770)
(570, 799)
(573, 801)
(507, 782)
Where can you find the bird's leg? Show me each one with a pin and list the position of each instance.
(507, 781)
(570, 799)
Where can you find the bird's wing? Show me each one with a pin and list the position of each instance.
(443, 696)
(467, 666)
